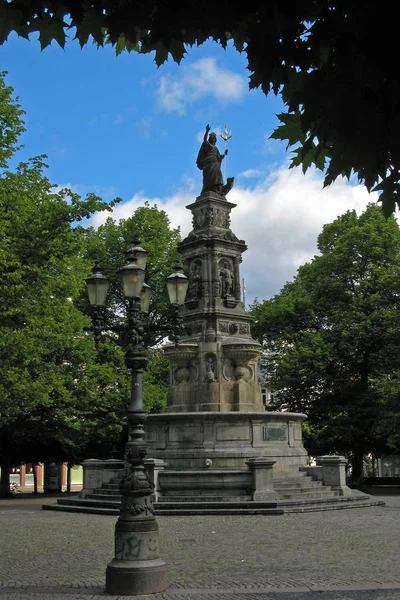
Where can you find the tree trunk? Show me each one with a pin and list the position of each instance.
(357, 464)
(69, 473)
(5, 476)
(35, 486)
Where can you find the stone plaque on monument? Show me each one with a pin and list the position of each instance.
(275, 434)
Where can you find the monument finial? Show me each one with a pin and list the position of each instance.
(226, 135)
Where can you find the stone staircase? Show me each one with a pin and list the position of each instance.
(296, 493)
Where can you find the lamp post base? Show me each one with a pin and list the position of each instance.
(136, 567)
(130, 578)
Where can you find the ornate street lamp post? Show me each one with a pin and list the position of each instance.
(177, 286)
(136, 567)
(97, 287)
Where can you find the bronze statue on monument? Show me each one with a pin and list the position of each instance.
(209, 161)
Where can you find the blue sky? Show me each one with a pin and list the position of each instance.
(120, 126)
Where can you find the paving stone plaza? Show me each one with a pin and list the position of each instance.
(351, 554)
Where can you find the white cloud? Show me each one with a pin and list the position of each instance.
(174, 206)
(202, 78)
(250, 173)
(279, 219)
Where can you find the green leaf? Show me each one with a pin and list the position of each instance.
(161, 53)
(177, 50)
(291, 129)
(120, 45)
(91, 25)
(49, 29)
(10, 20)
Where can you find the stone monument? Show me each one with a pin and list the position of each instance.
(217, 450)
(215, 417)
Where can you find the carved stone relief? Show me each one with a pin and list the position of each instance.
(223, 326)
(210, 368)
(227, 281)
(221, 218)
(181, 374)
(233, 328)
(205, 216)
(195, 280)
(228, 369)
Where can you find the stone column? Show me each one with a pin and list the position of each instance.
(236, 275)
(153, 467)
(334, 473)
(92, 475)
(216, 292)
(262, 478)
(63, 474)
(22, 474)
(39, 474)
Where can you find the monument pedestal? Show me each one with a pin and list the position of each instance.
(190, 440)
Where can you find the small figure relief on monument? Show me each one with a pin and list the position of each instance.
(209, 161)
(243, 372)
(228, 369)
(233, 328)
(181, 374)
(195, 287)
(227, 282)
(210, 368)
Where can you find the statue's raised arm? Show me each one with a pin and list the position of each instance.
(209, 161)
(206, 133)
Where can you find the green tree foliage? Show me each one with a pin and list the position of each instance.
(332, 338)
(61, 399)
(332, 62)
(43, 346)
(11, 122)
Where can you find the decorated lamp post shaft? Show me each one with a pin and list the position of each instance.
(136, 567)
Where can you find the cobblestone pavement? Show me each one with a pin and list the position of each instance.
(349, 554)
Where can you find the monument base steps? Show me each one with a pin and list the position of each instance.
(294, 494)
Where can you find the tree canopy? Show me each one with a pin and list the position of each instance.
(43, 345)
(332, 339)
(60, 399)
(332, 62)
